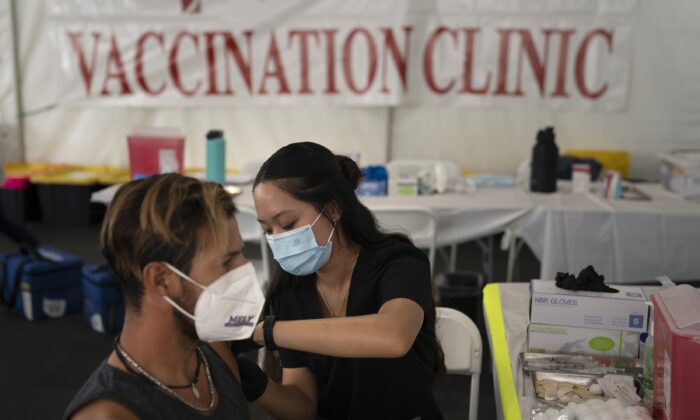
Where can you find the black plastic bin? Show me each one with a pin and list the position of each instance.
(20, 206)
(64, 204)
(461, 290)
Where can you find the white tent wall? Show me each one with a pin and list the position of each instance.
(662, 112)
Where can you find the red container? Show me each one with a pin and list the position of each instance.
(16, 183)
(676, 353)
(155, 154)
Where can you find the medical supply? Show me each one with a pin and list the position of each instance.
(625, 310)
(573, 340)
(297, 250)
(612, 185)
(103, 306)
(155, 151)
(405, 185)
(647, 355)
(374, 182)
(550, 390)
(216, 157)
(621, 387)
(442, 177)
(487, 180)
(676, 352)
(426, 182)
(228, 308)
(40, 285)
(680, 172)
(581, 177)
(593, 409)
(580, 364)
(588, 279)
(545, 162)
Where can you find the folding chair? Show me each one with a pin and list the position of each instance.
(461, 343)
(418, 223)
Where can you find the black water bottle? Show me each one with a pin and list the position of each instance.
(545, 160)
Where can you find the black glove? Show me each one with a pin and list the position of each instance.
(588, 279)
(253, 379)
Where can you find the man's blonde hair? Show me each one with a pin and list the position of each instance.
(161, 218)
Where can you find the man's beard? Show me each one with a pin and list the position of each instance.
(184, 324)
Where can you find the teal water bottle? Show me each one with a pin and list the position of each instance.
(216, 157)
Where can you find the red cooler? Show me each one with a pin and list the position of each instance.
(151, 154)
(676, 353)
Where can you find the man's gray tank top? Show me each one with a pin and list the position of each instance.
(148, 402)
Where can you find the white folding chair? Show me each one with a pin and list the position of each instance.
(418, 223)
(461, 343)
(251, 232)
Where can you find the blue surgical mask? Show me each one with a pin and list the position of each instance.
(298, 252)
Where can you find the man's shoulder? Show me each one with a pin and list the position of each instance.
(103, 409)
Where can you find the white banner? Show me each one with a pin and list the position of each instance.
(554, 54)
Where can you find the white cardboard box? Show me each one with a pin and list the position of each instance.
(680, 172)
(626, 310)
(574, 340)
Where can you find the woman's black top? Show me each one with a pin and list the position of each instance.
(361, 388)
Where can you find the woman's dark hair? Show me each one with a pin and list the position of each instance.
(311, 173)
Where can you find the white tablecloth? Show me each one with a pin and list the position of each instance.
(460, 217)
(514, 311)
(627, 241)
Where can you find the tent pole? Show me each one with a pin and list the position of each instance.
(18, 80)
(389, 132)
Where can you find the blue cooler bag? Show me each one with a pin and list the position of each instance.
(42, 284)
(103, 306)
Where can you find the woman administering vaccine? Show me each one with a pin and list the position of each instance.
(351, 311)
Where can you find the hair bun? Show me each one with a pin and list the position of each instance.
(351, 171)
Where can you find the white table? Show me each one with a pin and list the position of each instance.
(460, 217)
(625, 240)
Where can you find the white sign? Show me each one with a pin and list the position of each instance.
(552, 54)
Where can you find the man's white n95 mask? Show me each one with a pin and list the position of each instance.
(229, 308)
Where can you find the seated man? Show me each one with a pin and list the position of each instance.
(155, 231)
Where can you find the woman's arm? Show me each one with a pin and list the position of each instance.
(295, 398)
(390, 333)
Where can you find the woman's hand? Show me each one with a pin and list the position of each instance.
(258, 334)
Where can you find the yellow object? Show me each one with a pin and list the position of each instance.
(500, 355)
(65, 174)
(612, 160)
(200, 170)
(68, 178)
(109, 174)
(30, 169)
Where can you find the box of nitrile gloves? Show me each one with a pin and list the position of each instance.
(574, 340)
(624, 310)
